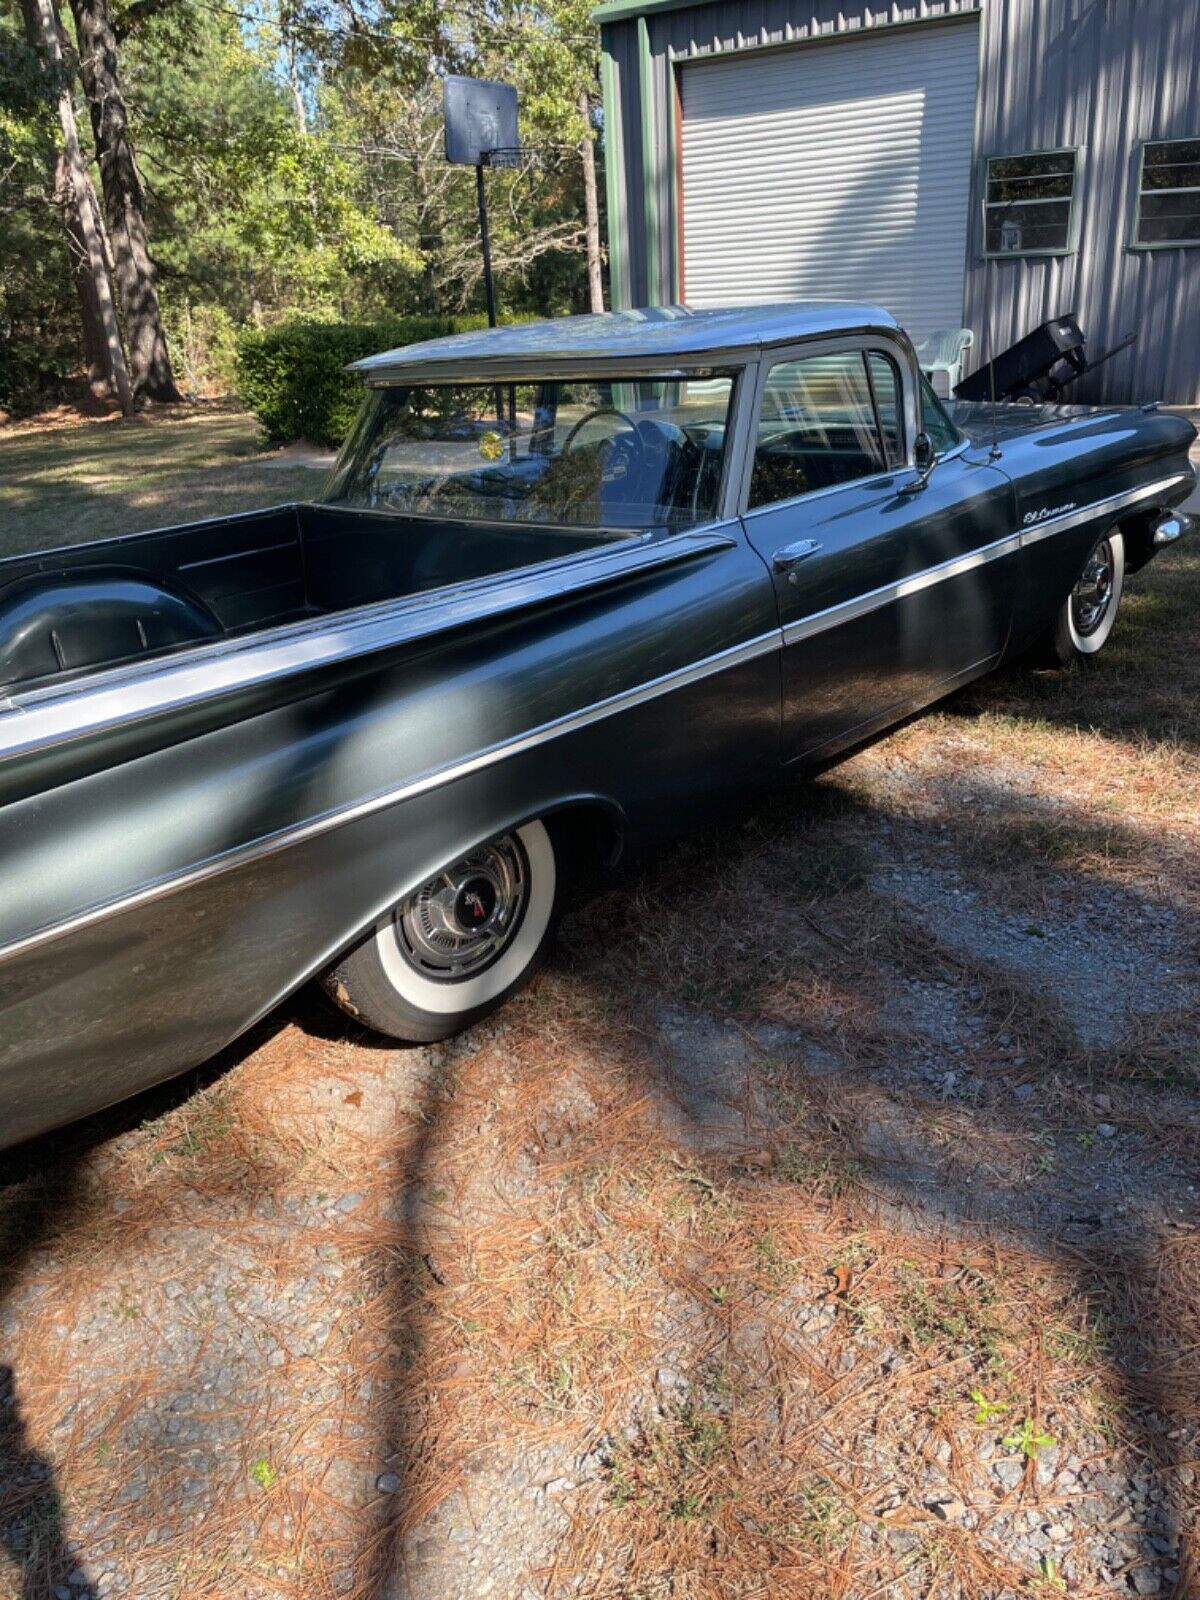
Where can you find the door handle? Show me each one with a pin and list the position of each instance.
(791, 555)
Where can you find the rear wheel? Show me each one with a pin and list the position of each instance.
(1088, 615)
(446, 956)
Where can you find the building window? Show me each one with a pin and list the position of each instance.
(1169, 194)
(1029, 204)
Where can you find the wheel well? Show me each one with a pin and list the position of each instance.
(1139, 538)
(590, 833)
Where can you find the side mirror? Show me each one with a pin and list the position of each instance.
(924, 459)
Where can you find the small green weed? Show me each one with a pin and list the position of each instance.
(676, 1468)
(986, 1411)
(1048, 1580)
(1029, 1439)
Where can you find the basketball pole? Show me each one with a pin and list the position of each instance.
(488, 281)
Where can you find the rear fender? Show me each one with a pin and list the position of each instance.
(588, 831)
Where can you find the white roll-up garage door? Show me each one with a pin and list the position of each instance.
(834, 171)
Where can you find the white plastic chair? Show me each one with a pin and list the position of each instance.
(943, 352)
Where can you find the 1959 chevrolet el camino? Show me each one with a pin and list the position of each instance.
(571, 586)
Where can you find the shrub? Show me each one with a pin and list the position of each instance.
(33, 372)
(293, 377)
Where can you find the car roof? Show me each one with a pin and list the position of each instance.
(661, 336)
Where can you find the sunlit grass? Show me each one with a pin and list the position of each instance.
(65, 485)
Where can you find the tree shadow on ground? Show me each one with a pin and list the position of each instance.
(32, 1524)
(795, 870)
(1143, 1326)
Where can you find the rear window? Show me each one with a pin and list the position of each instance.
(629, 453)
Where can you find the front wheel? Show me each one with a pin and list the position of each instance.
(470, 937)
(1089, 613)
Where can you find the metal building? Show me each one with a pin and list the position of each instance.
(979, 163)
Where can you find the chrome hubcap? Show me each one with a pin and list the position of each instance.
(464, 919)
(1092, 595)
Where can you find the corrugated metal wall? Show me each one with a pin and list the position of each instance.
(639, 58)
(880, 133)
(1102, 74)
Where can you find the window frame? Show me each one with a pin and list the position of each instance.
(1071, 247)
(782, 355)
(960, 438)
(1136, 221)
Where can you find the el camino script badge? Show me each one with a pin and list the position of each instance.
(1049, 511)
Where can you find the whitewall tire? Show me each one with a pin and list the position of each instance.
(456, 949)
(1089, 614)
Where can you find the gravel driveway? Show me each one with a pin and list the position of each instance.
(823, 1222)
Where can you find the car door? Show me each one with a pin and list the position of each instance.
(889, 590)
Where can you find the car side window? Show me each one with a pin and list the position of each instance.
(885, 385)
(937, 424)
(816, 428)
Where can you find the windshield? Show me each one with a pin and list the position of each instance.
(629, 453)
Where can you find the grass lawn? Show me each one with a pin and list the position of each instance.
(67, 484)
(824, 1222)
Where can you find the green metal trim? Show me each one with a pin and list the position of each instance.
(649, 169)
(614, 187)
(625, 10)
(619, 10)
(673, 187)
(1133, 242)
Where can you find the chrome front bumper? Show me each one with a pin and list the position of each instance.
(1172, 528)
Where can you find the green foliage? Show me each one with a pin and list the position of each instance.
(39, 332)
(293, 377)
(294, 175)
(1029, 1439)
(986, 1411)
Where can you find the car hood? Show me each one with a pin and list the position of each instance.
(1013, 420)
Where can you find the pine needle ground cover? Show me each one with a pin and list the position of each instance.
(824, 1222)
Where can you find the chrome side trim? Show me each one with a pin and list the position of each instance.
(861, 604)
(284, 838)
(1115, 502)
(119, 696)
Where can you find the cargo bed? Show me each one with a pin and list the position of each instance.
(92, 605)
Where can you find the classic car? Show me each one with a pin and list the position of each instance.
(571, 586)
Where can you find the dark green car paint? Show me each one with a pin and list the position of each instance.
(169, 879)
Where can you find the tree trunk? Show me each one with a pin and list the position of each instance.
(95, 351)
(101, 331)
(587, 152)
(124, 203)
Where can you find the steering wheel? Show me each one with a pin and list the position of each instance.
(590, 416)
